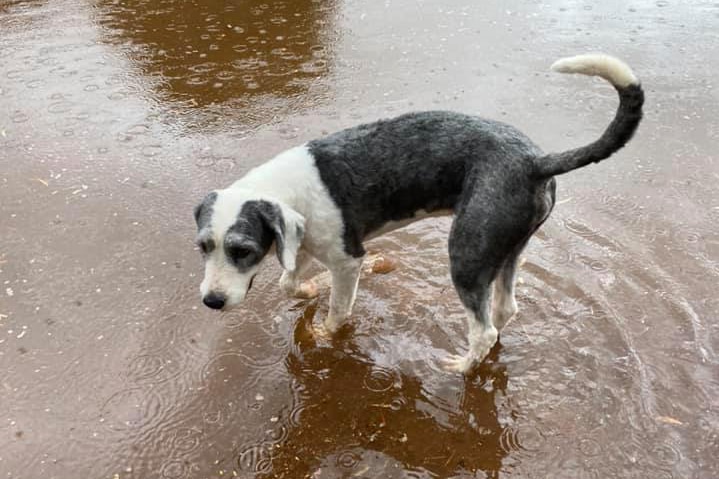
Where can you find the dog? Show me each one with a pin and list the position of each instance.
(323, 199)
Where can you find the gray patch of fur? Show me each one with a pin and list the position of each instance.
(390, 169)
(203, 211)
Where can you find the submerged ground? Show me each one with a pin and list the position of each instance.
(116, 117)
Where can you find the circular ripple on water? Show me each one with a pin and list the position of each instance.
(295, 416)
(214, 417)
(153, 369)
(277, 434)
(397, 403)
(691, 237)
(203, 67)
(117, 95)
(196, 81)
(380, 379)
(19, 117)
(60, 107)
(224, 164)
(518, 439)
(314, 67)
(554, 255)
(225, 75)
(183, 332)
(299, 390)
(134, 410)
(598, 266)
(280, 342)
(666, 454)
(263, 347)
(422, 474)
(634, 312)
(205, 161)
(590, 447)
(630, 212)
(186, 440)
(116, 79)
(348, 459)
(240, 319)
(124, 137)
(230, 367)
(15, 74)
(145, 367)
(174, 470)
(35, 83)
(256, 458)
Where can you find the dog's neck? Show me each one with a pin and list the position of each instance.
(283, 179)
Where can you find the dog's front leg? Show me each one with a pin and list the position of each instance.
(291, 283)
(344, 290)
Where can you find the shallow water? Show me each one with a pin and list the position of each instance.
(117, 116)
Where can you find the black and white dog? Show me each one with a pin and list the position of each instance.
(325, 198)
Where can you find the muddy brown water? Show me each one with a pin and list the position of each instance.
(117, 116)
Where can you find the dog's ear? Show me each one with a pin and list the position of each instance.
(203, 211)
(288, 227)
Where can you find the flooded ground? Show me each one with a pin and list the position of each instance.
(118, 115)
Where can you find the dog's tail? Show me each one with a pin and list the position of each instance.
(619, 131)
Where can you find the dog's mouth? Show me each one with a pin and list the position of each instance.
(252, 280)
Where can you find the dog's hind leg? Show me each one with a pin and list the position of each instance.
(504, 305)
(489, 228)
(504, 302)
(473, 270)
(291, 283)
(482, 335)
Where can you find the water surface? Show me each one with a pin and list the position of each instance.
(117, 116)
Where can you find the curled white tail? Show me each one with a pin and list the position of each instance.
(611, 69)
(619, 131)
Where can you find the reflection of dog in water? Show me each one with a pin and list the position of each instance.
(325, 198)
(353, 418)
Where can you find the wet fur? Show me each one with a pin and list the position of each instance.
(334, 193)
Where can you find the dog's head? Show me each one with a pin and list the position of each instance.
(235, 231)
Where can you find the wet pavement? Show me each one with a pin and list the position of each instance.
(117, 116)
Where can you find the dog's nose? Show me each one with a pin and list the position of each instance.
(214, 301)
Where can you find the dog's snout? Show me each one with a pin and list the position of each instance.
(214, 301)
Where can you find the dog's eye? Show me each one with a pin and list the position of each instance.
(240, 252)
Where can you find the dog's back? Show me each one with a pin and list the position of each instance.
(391, 170)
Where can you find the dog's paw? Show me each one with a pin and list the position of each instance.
(455, 363)
(379, 264)
(333, 324)
(321, 333)
(307, 290)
